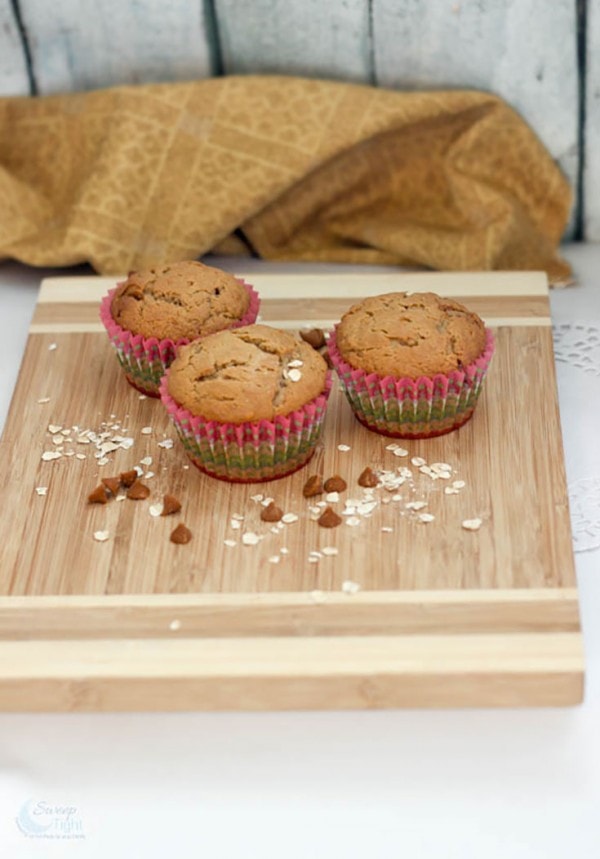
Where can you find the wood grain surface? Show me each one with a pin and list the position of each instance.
(433, 586)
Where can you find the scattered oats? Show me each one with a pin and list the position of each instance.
(146, 430)
(450, 490)
(328, 551)
(313, 560)
(318, 596)
(418, 461)
(441, 466)
(185, 467)
(365, 508)
(126, 443)
(250, 538)
(353, 521)
(149, 474)
(458, 484)
(235, 524)
(147, 460)
(400, 451)
(294, 375)
(167, 444)
(349, 587)
(296, 363)
(316, 511)
(58, 439)
(237, 516)
(404, 472)
(115, 426)
(344, 447)
(52, 347)
(314, 553)
(471, 524)
(394, 498)
(321, 504)
(175, 625)
(101, 536)
(108, 447)
(443, 475)
(288, 518)
(266, 501)
(386, 529)
(385, 500)
(349, 511)
(82, 439)
(142, 397)
(81, 456)
(258, 497)
(274, 559)
(425, 469)
(332, 497)
(138, 470)
(120, 498)
(274, 529)
(230, 543)
(44, 400)
(53, 428)
(284, 551)
(41, 490)
(155, 509)
(426, 517)
(392, 446)
(104, 435)
(49, 455)
(69, 453)
(66, 432)
(415, 505)
(103, 460)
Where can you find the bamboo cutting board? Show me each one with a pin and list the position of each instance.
(389, 611)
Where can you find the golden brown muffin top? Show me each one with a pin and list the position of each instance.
(180, 300)
(418, 334)
(246, 374)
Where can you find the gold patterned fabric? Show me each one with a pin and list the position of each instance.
(292, 168)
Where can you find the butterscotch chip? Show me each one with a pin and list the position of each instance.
(128, 478)
(335, 484)
(138, 491)
(368, 478)
(170, 505)
(313, 486)
(113, 484)
(181, 534)
(314, 338)
(271, 513)
(98, 496)
(329, 518)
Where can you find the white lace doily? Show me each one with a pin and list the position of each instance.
(578, 345)
(584, 503)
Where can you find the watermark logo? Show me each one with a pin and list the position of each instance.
(41, 819)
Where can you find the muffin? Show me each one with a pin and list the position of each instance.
(412, 365)
(247, 403)
(154, 311)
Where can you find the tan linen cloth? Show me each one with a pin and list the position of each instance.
(132, 176)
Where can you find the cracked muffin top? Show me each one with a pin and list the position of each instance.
(180, 300)
(251, 373)
(418, 334)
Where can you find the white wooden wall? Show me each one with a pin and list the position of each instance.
(524, 50)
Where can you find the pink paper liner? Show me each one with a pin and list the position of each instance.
(253, 451)
(403, 407)
(145, 359)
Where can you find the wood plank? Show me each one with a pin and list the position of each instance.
(109, 43)
(533, 67)
(591, 167)
(296, 614)
(312, 39)
(13, 66)
(292, 673)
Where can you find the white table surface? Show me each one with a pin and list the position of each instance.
(486, 784)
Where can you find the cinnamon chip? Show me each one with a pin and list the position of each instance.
(271, 513)
(335, 484)
(170, 505)
(313, 486)
(113, 484)
(138, 491)
(98, 496)
(128, 478)
(329, 518)
(181, 534)
(368, 478)
(315, 338)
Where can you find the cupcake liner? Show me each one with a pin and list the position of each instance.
(412, 408)
(145, 359)
(249, 452)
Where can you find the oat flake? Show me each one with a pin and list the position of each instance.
(167, 444)
(155, 509)
(49, 455)
(250, 538)
(418, 461)
(44, 400)
(329, 551)
(101, 536)
(344, 447)
(146, 430)
(41, 490)
(426, 517)
(230, 543)
(471, 524)
(288, 518)
(349, 587)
